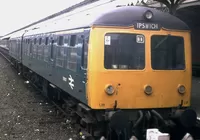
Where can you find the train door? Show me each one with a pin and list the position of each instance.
(84, 59)
(19, 40)
(84, 56)
(31, 49)
(53, 42)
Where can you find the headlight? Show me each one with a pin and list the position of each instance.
(109, 89)
(181, 89)
(148, 89)
(148, 15)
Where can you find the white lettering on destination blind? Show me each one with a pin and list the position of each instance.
(150, 26)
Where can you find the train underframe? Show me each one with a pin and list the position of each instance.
(116, 124)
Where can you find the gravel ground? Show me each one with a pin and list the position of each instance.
(24, 114)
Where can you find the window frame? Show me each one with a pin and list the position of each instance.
(144, 46)
(165, 35)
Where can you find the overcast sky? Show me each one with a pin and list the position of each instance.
(15, 14)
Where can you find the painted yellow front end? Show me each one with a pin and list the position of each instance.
(129, 84)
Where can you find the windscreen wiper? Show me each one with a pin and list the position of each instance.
(161, 41)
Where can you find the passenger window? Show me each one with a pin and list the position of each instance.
(30, 48)
(60, 40)
(43, 41)
(55, 41)
(39, 49)
(35, 48)
(60, 56)
(34, 40)
(66, 40)
(72, 54)
(40, 41)
(37, 41)
(52, 48)
(46, 41)
(73, 40)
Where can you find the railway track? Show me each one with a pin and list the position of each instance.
(53, 105)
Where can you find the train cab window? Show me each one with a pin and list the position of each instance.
(167, 52)
(124, 51)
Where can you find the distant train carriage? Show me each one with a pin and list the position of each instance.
(124, 62)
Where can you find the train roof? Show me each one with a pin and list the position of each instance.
(110, 15)
(129, 15)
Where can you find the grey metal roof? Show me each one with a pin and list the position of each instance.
(129, 15)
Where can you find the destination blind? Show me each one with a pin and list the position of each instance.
(147, 26)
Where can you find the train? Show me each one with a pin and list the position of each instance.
(118, 72)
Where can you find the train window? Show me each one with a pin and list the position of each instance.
(46, 40)
(167, 52)
(39, 50)
(25, 47)
(60, 56)
(55, 40)
(73, 40)
(46, 53)
(60, 40)
(29, 47)
(34, 40)
(124, 51)
(40, 41)
(66, 40)
(72, 53)
(35, 48)
(52, 48)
